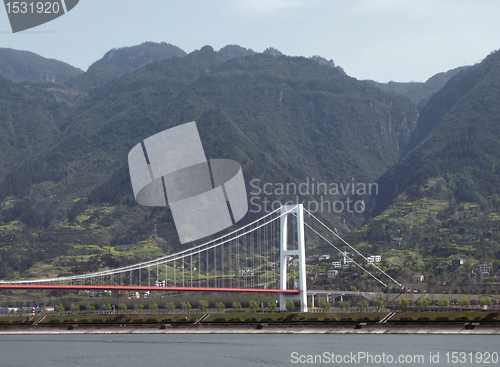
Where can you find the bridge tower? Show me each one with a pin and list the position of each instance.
(300, 252)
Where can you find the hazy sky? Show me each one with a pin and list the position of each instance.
(400, 40)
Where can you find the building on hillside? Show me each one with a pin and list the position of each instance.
(417, 278)
(457, 262)
(372, 259)
(481, 268)
(484, 275)
(332, 274)
(397, 240)
(347, 260)
(337, 264)
(245, 272)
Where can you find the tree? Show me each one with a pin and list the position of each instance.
(444, 302)
(344, 305)
(59, 308)
(153, 306)
(74, 308)
(89, 307)
(363, 304)
(380, 303)
(138, 306)
(106, 307)
(485, 301)
(186, 306)
(271, 305)
(325, 305)
(422, 302)
(203, 305)
(403, 302)
(236, 305)
(170, 306)
(290, 305)
(220, 306)
(122, 306)
(253, 305)
(464, 302)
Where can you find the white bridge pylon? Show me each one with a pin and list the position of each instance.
(298, 212)
(300, 252)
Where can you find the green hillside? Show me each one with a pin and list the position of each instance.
(456, 138)
(442, 199)
(67, 202)
(285, 119)
(30, 117)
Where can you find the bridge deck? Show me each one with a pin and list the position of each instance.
(137, 288)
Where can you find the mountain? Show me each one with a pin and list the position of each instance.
(456, 138)
(285, 119)
(66, 192)
(322, 60)
(417, 92)
(25, 66)
(136, 57)
(234, 51)
(440, 205)
(309, 118)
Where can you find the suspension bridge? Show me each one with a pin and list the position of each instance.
(266, 256)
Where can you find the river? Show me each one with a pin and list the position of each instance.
(245, 350)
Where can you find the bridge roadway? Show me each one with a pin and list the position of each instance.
(310, 292)
(328, 293)
(137, 288)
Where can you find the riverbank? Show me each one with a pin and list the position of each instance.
(349, 328)
(463, 322)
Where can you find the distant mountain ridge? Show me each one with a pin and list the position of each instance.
(24, 66)
(419, 93)
(234, 51)
(135, 57)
